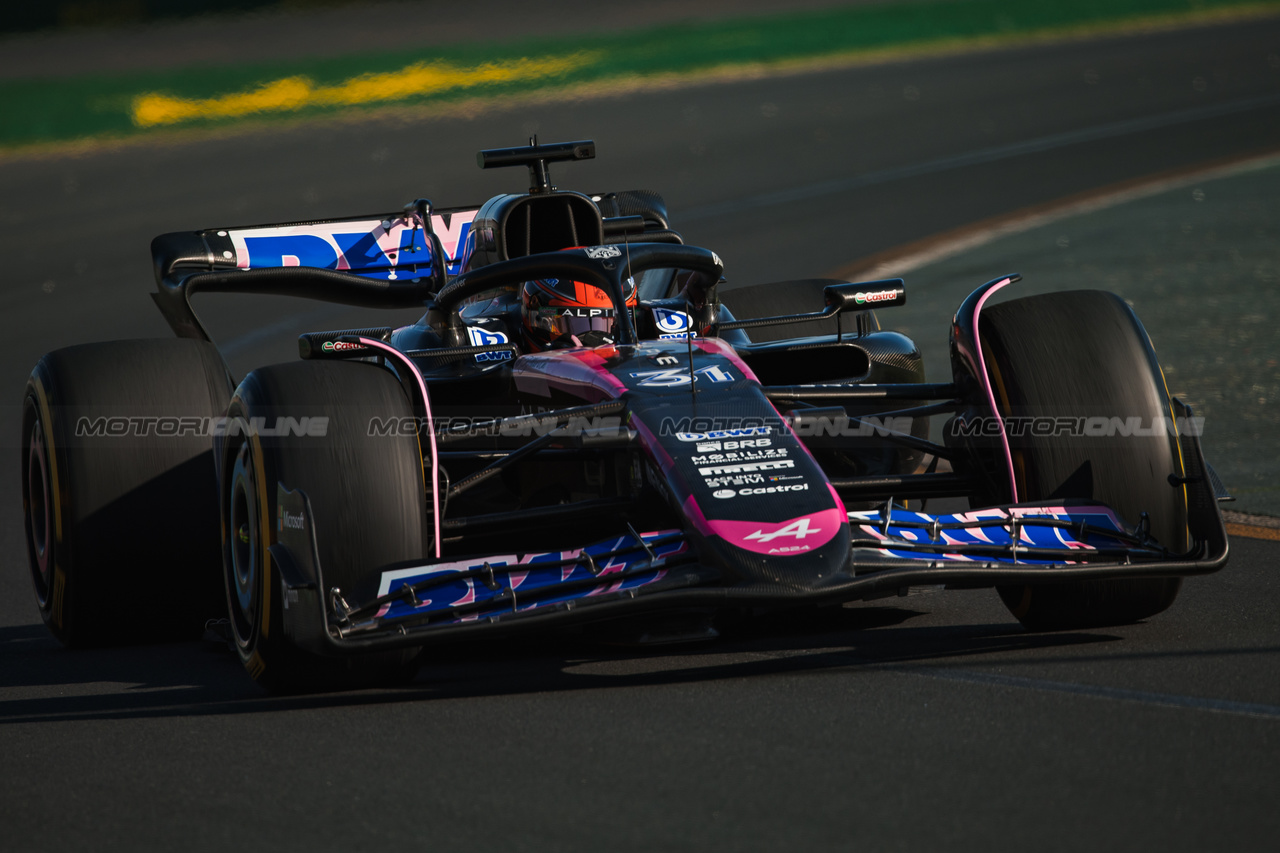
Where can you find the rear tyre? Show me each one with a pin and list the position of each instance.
(366, 494)
(1084, 354)
(119, 493)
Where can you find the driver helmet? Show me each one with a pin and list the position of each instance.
(565, 313)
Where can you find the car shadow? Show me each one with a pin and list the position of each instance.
(42, 682)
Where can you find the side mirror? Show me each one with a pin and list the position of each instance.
(861, 295)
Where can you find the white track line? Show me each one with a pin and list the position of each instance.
(1111, 130)
(947, 248)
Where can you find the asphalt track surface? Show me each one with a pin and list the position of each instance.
(927, 722)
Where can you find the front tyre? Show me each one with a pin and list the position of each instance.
(1084, 354)
(119, 491)
(306, 426)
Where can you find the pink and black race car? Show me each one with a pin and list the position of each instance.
(579, 431)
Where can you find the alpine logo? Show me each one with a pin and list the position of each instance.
(587, 312)
(799, 529)
(796, 535)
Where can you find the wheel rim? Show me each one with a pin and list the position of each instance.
(39, 514)
(243, 582)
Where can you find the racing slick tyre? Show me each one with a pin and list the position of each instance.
(1085, 354)
(365, 492)
(119, 494)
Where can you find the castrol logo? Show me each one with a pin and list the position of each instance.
(876, 296)
(340, 346)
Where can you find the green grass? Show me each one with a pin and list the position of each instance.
(47, 111)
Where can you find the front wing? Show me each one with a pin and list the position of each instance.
(892, 549)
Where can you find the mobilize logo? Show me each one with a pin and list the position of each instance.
(799, 529)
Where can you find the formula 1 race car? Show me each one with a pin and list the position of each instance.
(587, 427)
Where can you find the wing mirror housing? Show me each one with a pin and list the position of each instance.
(861, 295)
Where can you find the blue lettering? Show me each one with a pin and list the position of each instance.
(361, 251)
(294, 250)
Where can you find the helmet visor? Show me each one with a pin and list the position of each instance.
(558, 322)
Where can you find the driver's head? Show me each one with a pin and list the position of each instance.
(560, 312)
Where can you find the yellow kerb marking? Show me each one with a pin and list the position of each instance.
(1250, 531)
(294, 93)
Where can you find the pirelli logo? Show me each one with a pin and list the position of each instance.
(746, 467)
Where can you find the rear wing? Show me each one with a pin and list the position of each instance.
(391, 247)
(396, 260)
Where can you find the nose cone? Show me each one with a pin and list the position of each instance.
(749, 491)
(802, 553)
(791, 536)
